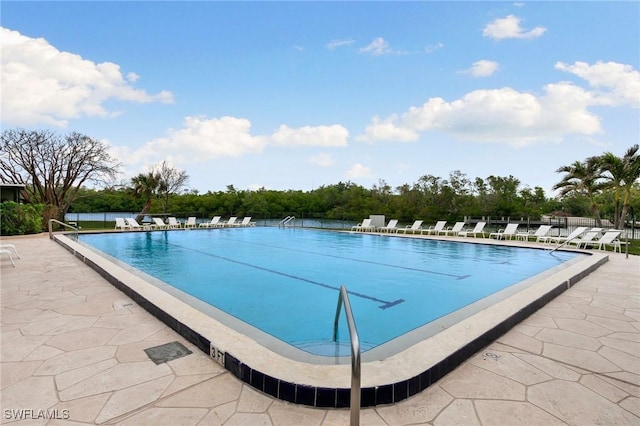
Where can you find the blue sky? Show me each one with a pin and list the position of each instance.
(295, 95)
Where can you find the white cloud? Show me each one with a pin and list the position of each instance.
(433, 47)
(509, 27)
(323, 160)
(358, 171)
(334, 136)
(387, 129)
(333, 44)
(616, 83)
(509, 116)
(499, 115)
(377, 47)
(565, 111)
(42, 85)
(202, 139)
(483, 68)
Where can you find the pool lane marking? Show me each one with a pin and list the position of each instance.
(426, 271)
(385, 304)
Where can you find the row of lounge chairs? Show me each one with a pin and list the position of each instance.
(416, 228)
(581, 237)
(216, 222)
(131, 224)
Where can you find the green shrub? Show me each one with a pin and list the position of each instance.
(20, 219)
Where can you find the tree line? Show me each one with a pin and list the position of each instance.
(431, 197)
(56, 169)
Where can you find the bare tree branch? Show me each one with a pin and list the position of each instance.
(54, 167)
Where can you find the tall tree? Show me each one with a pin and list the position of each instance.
(504, 194)
(53, 167)
(171, 181)
(161, 181)
(382, 194)
(584, 178)
(621, 174)
(145, 185)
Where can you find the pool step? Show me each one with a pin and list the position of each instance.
(329, 347)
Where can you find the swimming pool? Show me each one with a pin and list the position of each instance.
(284, 283)
(397, 366)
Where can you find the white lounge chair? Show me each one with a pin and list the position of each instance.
(391, 226)
(364, 226)
(246, 221)
(191, 222)
(174, 223)
(587, 237)
(11, 247)
(214, 223)
(435, 229)
(508, 231)
(609, 238)
(478, 229)
(417, 226)
(574, 234)
(134, 225)
(539, 233)
(231, 222)
(8, 253)
(158, 223)
(457, 228)
(121, 224)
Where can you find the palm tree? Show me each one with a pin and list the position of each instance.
(145, 185)
(582, 177)
(621, 174)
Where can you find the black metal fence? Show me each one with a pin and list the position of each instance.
(107, 219)
(561, 225)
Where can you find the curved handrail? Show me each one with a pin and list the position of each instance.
(75, 230)
(286, 220)
(355, 352)
(567, 241)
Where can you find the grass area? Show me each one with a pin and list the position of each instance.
(97, 225)
(634, 247)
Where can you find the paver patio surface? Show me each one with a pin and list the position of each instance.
(72, 352)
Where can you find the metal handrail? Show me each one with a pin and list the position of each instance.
(286, 220)
(355, 353)
(567, 242)
(75, 230)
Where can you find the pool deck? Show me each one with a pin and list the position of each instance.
(72, 348)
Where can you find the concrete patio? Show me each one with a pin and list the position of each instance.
(72, 352)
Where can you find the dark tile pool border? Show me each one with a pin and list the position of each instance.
(324, 397)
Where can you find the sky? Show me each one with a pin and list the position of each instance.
(297, 95)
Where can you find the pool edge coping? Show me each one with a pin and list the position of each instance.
(383, 382)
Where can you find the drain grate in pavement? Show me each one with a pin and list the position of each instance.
(167, 352)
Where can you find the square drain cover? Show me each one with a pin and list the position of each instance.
(167, 352)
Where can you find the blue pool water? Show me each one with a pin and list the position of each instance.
(285, 282)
